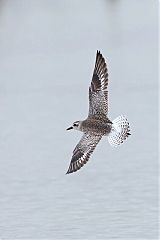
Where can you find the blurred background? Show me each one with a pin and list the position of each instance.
(47, 55)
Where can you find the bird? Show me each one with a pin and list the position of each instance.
(97, 124)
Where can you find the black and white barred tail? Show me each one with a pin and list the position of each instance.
(120, 131)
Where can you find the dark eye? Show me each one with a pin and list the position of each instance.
(75, 125)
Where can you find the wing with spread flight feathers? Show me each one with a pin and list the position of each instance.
(82, 151)
(98, 94)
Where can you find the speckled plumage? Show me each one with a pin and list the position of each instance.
(97, 123)
(96, 126)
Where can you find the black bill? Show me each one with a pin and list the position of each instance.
(69, 128)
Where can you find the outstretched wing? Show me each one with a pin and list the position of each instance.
(82, 151)
(98, 94)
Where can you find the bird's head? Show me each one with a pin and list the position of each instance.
(76, 125)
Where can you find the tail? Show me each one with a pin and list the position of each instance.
(120, 131)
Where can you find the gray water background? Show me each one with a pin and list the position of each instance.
(47, 55)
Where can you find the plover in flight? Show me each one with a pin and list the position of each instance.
(97, 124)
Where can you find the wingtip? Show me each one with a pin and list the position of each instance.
(72, 169)
(68, 172)
(99, 55)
